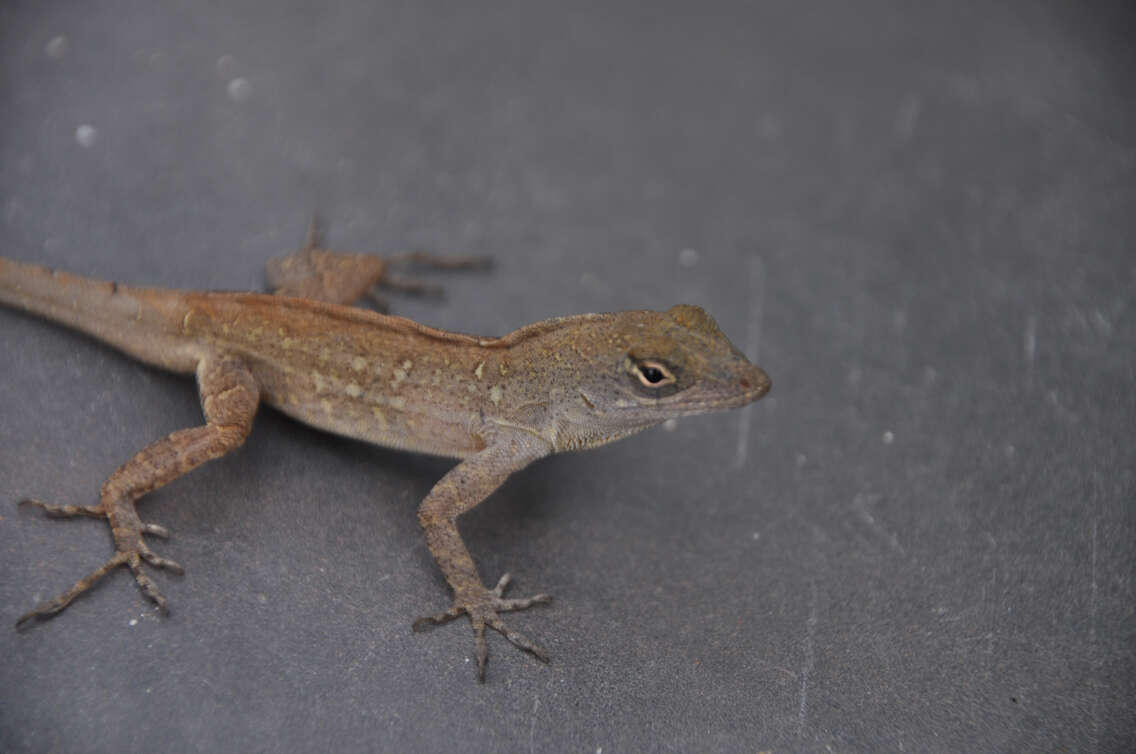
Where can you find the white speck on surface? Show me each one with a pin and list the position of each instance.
(670, 425)
(262, 599)
(56, 47)
(889, 437)
(132, 622)
(688, 258)
(239, 89)
(755, 536)
(1010, 451)
(801, 459)
(86, 135)
(226, 66)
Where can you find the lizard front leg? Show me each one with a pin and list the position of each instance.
(466, 485)
(229, 397)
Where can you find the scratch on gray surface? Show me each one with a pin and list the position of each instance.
(810, 659)
(907, 117)
(1030, 344)
(532, 726)
(1094, 685)
(989, 637)
(756, 269)
(860, 505)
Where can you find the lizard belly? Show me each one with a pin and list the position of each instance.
(369, 414)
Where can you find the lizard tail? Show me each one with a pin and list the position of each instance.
(138, 321)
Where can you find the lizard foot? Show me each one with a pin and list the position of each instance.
(341, 278)
(482, 608)
(131, 551)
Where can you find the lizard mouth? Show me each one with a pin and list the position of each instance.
(749, 386)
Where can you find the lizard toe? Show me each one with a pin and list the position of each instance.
(482, 606)
(65, 511)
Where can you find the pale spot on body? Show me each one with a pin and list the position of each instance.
(319, 381)
(380, 417)
(358, 363)
(327, 407)
(287, 343)
(495, 395)
(398, 402)
(503, 368)
(353, 390)
(480, 370)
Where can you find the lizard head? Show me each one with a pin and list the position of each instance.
(660, 365)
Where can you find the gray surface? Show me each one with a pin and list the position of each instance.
(919, 221)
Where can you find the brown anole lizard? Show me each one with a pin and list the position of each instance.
(498, 404)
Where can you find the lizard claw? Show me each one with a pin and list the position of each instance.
(482, 609)
(131, 552)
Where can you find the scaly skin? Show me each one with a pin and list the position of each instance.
(498, 404)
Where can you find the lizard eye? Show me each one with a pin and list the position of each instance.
(653, 374)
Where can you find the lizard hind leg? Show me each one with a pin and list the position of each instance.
(229, 398)
(337, 277)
